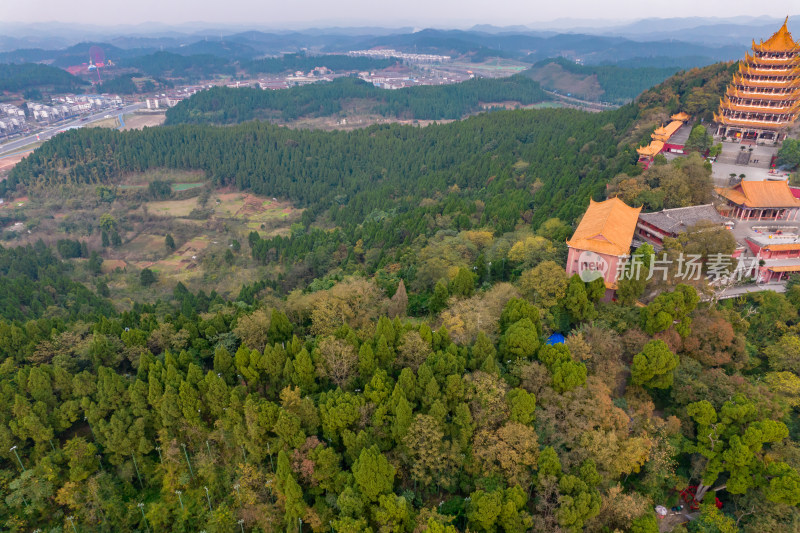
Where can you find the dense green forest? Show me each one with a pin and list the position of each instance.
(398, 373)
(222, 105)
(124, 84)
(619, 84)
(34, 282)
(189, 67)
(335, 62)
(331, 409)
(382, 185)
(29, 76)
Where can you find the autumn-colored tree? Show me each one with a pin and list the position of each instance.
(398, 302)
(413, 350)
(338, 360)
(545, 284)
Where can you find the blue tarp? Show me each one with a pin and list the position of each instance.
(556, 338)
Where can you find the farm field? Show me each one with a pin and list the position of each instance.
(137, 121)
(8, 162)
(205, 225)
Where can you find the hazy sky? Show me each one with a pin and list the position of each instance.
(441, 13)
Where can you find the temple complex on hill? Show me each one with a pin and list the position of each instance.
(763, 99)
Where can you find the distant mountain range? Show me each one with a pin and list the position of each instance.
(674, 42)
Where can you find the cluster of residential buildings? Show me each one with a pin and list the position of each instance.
(763, 216)
(389, 53)
(12, 119)
(396, 78)
(68, 106)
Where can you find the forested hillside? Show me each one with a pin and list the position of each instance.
(617, 84)
(29, 76)
(33, 282)
(189, 67)
(383, 185)
(223, 105)
(396, 368)
(696, 91)
(330, 409)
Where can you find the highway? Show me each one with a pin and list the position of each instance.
(50, 131)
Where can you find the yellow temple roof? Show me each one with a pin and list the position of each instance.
(733, 92)
(665, 132)
(738, 79)
(781, 41)
(760, 194)
(754, 70)
(606, 228)
(651, 149)
(772, 61)
(683, 117)
(727, 104)
(764, 125)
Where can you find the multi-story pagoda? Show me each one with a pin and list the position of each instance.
(764, 97)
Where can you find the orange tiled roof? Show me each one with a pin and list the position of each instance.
(783, 247)
(781, 41)
(761, 194)
(606, 228)
(651, 149)
(773, 61)
(683, 117)
(789, 268)
(736, 93)
(665, 132)
(766, 125)
(727, 104)
(738, 79)
(761, 70)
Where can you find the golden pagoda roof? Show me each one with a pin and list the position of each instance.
(651, 149)
(727, 104)
(683, 117)
(781, 41)
(745, 123)
(738, 79)
(760, 194)
(733, 92)
(776, 61)
(747, 68)
(606, 228)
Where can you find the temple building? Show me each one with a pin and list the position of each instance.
(764, 97)
(655, 227)
(760, 200)
(664, 140)
(602, 239)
